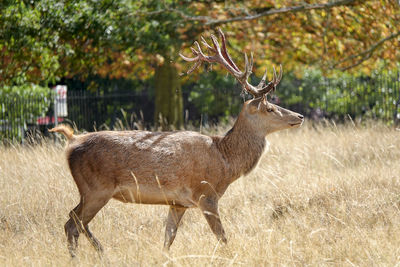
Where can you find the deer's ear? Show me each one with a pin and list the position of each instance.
(252, 109)
(254, 106)
(264, 100)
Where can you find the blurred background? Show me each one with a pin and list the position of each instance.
(115, 64)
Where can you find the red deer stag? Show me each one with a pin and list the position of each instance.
(181, 169)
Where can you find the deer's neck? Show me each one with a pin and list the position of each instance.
(242, 148)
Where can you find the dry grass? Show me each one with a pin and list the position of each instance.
(322, 196)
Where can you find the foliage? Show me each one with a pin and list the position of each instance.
(214, 96)
(373, 96)
(24, 97)
(21, 105)
(357, 34)
(43, 41)
(312, 93)
(46, 41)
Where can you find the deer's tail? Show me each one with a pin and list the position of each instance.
(65, 130)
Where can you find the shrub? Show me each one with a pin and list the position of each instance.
(21, 106)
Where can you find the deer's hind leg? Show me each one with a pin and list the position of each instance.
(71, 230)
(80, 217)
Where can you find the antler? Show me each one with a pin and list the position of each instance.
(222, 56)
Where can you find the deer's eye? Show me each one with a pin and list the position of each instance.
(269, 109)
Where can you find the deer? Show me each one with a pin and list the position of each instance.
(181, 169)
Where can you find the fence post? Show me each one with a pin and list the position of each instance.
(396, 89)
(55, 111)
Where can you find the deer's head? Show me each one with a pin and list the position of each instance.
(263, 115)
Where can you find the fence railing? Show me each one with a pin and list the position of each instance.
(92, 111)
(375, 97)
(19, 114)
(22, 116)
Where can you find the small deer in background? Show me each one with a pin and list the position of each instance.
(181, 169)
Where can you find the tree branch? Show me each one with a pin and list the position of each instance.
(366, 54)
(208, 21)
(292, 9)
(173, 10)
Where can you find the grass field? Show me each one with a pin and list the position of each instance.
(323, 195)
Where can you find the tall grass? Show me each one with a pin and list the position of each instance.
(323, 195)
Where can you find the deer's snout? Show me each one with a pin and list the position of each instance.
(296, 120)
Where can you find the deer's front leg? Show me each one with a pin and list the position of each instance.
(174, 217)
(209, 208)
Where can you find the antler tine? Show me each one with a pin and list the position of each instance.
(250, 70)
(251, 61)
(194, 51)
(201, 54)
(224, 51)
(204, 42)
(197, 59)
(190, 59)
(195, 66)
(271, 86)
(248, 67)
(280, 73)
(222, 57)
(216, 44)
(274, 79)
(263, 79)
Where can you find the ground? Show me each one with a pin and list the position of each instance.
(323, 195)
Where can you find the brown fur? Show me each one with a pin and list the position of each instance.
(181, 169)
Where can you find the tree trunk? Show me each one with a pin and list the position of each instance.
(168, 93)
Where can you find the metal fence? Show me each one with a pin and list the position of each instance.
(92, 111)
(20, 114)
(25, 116)
(376, 97)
